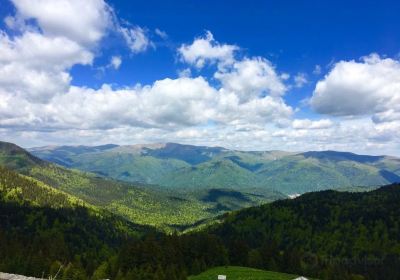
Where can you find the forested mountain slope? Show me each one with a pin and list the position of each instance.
(186, 167)
(327, 234)
(42, 229)
(143, 204)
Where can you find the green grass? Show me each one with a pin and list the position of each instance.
(241, 273)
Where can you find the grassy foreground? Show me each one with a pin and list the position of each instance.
(241, 273)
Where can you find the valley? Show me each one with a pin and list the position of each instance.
(133, 228)
(59, 220)
(163, 208)
(182, 187)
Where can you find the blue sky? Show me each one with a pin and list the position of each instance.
(294, 36)
(254, 75)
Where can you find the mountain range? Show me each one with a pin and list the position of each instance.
(83, 225)
(188, 168)
(179, 187)
(145, 204)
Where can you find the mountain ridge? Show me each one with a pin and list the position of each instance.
(139, 203)
(183, 167)
(164, 144)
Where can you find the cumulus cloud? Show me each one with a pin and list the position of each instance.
(34, 66)
(84, 22)
(38, 51)
(168, 104)
(250, 78)
(370, 86)
(246, 78)
(207, 50)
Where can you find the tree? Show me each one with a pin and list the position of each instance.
(102, 272)
(255, 258)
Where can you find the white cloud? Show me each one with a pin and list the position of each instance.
(369, 87)
(206, 49)
(33, 85)
(34, 66)
(38, 51)
(116, 62)
(309, 124)
(136, 38)
(357, 135)
(300, 80)
(168, 104)
(257, 111)
(250, 78)
(247, 78)
(84, 22)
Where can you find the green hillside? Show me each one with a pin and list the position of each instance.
(241, 273)
(17, 158)
(326, 234)
(42, 229)
(186, 167)
(23, 189)
(142, 204)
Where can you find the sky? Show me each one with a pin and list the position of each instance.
(247, 75)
